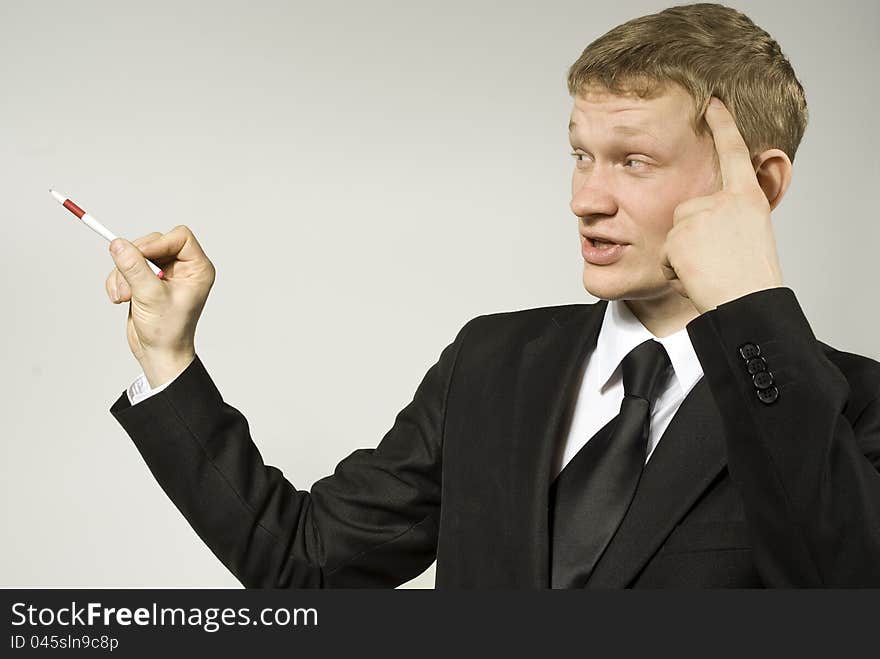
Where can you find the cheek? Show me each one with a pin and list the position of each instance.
(652, 213)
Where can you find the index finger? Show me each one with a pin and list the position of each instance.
(178, 244)
(734, 158)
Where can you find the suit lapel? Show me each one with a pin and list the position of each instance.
(545, 384)
(689, 456)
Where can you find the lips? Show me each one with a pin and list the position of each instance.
(601, 255)
(596, 241)
(605, 239)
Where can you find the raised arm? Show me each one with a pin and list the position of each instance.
(373, 523)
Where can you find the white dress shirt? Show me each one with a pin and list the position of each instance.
(140, 389)
(600, 390)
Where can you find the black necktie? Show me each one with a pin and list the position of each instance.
(591, 495)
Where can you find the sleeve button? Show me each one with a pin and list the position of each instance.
(749, 350)
(756, 364)
(768, 396)
(762, 379)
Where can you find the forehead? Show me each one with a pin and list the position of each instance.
(663, 119)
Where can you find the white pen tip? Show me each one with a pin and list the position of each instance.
(58, 197)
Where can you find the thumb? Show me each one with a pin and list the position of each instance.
(132, 265)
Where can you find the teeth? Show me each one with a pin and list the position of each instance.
(601, 244)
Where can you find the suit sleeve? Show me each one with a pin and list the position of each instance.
(805, 463)
(372, 523)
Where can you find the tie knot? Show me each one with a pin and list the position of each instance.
(643, 369)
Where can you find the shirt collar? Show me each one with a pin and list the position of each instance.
(621, 331)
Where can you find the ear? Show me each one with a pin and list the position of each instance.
(773, 171)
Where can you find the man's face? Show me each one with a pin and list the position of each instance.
(637, 160)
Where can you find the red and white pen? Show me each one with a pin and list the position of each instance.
(96, 226)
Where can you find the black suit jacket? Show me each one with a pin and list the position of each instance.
(737, 493)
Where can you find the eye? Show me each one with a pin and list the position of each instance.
(639, 164)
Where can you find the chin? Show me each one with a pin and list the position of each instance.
(609, 285)
(605, 290)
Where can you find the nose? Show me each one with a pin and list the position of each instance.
(593, 193)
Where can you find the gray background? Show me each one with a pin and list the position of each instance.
(366, 177)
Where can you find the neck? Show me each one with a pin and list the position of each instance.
(663, 315)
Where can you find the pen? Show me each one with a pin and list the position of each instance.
(96, 226)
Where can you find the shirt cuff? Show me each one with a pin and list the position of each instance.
(140, 389)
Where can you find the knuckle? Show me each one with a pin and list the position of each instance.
(756, 196)
(148, 238)
(683, 210)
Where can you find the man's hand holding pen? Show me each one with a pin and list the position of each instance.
(162, 313)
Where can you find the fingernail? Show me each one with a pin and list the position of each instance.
(114, 294)
(116, 246)
(715, 102)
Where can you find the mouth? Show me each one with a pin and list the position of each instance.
(601, 244)
(598, 251)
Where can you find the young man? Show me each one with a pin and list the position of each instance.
(686, 430)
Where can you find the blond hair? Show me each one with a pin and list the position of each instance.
(710, 50)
